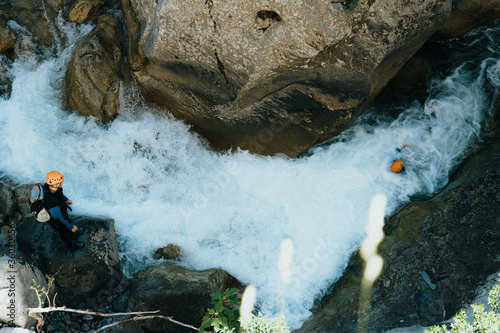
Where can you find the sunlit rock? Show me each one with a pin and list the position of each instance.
(84, 10)
(169, 252)
(273, 77)
(15, 295)
(94, 73)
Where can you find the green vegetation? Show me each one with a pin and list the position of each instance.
(225, 319)
(223, 315)
(483, 321)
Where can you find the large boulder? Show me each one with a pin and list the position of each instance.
(175, 291)
(467, 15)
(84, 278)
(273, 77)
(15, 295)
(436, 253)
(35, 16)
(94, 73)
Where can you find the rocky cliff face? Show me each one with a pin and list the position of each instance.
(273, 77)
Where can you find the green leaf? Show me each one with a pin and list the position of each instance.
(216, 324)
(219, 307)
(217, 295)
(224, 321)
(205, 323)
(229, 313)
(229, 291)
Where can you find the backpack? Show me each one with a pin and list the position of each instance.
(36, 204)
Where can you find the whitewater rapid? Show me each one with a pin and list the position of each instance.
(162, 184)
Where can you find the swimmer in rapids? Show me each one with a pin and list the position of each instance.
(398, 165)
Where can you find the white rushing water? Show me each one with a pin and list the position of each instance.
(162, 185)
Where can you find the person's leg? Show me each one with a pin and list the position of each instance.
(65, 233)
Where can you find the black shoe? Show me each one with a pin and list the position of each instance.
(79, 231)
(76, 245)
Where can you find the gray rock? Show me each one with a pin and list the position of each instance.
(277, 77)
(22, 196)
(7, 200)
(84, 278)
(15, 295)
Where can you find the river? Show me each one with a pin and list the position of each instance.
(162, 184)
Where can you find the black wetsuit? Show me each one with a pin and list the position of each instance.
(55, 204)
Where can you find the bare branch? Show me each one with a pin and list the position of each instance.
(148, 317)
(65, 309)
(35, 313)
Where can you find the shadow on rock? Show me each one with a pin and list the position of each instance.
(84, 278)
(175, 291)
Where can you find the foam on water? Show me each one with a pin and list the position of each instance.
(162, 184)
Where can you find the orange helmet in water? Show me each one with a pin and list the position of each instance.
(397, 166)
(54, 177)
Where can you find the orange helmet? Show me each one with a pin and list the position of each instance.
(397, 166)
(54, 177)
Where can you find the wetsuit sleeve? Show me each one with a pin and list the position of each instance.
(55, 212)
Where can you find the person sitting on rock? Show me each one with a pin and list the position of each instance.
(56, 203)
